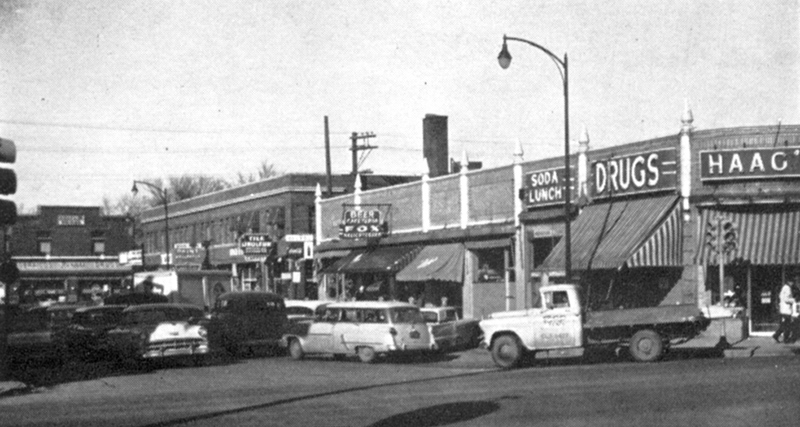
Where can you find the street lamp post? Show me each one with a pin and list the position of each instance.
(162, 192)
(504, 58)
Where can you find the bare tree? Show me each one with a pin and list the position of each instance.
(265, 170)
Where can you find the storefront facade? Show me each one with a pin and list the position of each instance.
(69, 254)
(208, 231)
(641, 221)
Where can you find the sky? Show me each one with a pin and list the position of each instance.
(97, 93)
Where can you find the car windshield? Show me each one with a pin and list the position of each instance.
(406, 315)
(299, 311)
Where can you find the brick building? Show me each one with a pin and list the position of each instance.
(206, 231)
(69, 253)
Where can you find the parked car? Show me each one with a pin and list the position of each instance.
(304, 310)
(32, 331)
(449, 330)
(367, 329)
(243, 321)
(86, 335)
(156, 331)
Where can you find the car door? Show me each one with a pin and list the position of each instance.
(347, 333)
(559, 325)
(319, 337)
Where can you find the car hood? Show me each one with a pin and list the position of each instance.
(174, 330)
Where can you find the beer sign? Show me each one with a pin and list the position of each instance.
(363, 224)
(635, 173)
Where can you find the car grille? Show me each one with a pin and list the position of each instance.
(177, 347)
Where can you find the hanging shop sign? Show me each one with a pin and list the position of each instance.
(635, 173)
(363, 224)
(255, 244)
(750, 163)
(545, 188)
(298, 246)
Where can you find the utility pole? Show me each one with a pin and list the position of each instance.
(328, 158)
(355, 148)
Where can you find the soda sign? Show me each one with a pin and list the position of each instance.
(545, 187)
(362, 224)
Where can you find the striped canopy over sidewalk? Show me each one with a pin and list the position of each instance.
(767, 235)
(644, 232)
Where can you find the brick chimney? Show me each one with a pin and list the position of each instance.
(434, 144)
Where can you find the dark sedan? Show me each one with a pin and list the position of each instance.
(86, 336)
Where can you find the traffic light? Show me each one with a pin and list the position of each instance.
(712, 234)
(730, 236)
(8, 183)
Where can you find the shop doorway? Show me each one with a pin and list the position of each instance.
(765, 284)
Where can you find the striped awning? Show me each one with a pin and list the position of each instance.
(644, 232)
(767, 235)
(665, 247)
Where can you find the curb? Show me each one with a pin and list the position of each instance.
(8, 388)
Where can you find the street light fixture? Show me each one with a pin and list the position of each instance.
(504, 58)
(162, 192)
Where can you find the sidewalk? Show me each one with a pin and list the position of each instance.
(747, 347)
(11, 387)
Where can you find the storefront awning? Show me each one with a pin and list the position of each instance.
(766, 235)
(436, 262)
(337, 265)
(386, 259)
(639, 232)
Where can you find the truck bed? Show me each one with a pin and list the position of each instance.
(660, 315)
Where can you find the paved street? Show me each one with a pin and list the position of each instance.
(461, 389)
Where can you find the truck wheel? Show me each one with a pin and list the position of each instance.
(296, 350)
(366, 354)
(506, 351)
(646, 346)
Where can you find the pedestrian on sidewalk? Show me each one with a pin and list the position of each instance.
(794, 327)
(785, 308)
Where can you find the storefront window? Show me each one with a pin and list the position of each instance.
(491, 264)
(45, 247)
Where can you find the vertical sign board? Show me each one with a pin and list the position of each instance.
(750, 164)
(635, 173)
(300, 246)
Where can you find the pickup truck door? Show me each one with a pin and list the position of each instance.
(559, 325)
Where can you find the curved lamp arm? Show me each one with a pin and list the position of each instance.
(504, 58)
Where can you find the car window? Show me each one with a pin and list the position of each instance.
(145, 317)
(430, 317)
(301, 311)
(331, 315)
(374, 316)
(406, 315)
(450, 316)
(557, 299)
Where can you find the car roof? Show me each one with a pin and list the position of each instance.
(143, 307)
(312, 304)
(114, 307)
(437, 309)
(371, 304)
(249, 294)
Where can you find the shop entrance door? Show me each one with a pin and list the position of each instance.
(764, 285)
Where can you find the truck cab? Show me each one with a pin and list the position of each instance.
(556, 326)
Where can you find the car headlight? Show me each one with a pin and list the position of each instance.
(202, 332)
